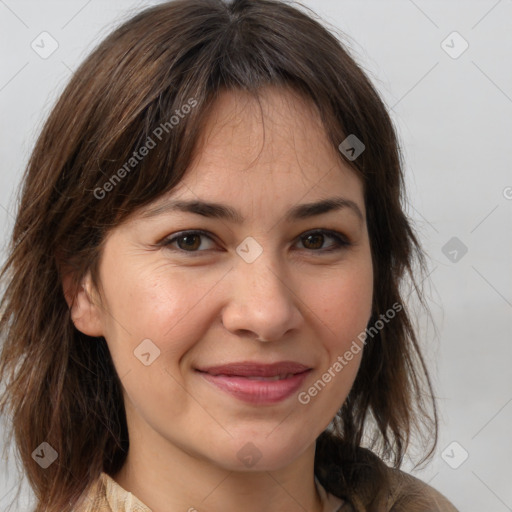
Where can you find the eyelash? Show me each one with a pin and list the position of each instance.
(341, 241)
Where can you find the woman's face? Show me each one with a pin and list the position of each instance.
(173, 303)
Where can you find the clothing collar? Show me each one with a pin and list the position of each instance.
(121, 500)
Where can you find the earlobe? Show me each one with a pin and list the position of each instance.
(84, 306)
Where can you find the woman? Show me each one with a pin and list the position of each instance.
(202, 307)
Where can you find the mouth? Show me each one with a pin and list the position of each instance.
(257, 384)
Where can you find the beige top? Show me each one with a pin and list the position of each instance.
(413, 495)
(108, 496)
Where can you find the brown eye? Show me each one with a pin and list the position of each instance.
(192, 241)
(188, 241)
(314, 241)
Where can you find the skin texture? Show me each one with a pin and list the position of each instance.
(212, 307)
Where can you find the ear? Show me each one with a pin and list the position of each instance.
(84, 304)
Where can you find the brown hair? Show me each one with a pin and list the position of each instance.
(61, 385)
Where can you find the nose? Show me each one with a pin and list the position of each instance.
(262, 301)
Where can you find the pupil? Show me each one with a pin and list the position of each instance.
(318, 238)
(189, 241)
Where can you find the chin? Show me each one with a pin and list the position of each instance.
(259, 452)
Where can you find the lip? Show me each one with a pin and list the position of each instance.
(257, 391)
(253, 369)
(245, 379)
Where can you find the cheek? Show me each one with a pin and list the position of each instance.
(159, 304)
(342, 307)
(345, 303)
(153, 323)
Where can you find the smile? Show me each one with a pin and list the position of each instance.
(257, 389)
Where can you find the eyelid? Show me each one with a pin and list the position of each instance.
(342, 241)
(168, 240)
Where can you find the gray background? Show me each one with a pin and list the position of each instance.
(454, 117)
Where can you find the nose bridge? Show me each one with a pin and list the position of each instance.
(265, 276)
(261, 299)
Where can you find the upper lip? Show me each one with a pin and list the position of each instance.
(252, 369)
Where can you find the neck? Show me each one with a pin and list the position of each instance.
(164, 478)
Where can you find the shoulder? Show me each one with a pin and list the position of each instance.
(106, 495)
(95, 499)
(362, 478)
(409, 494)
(401, 493)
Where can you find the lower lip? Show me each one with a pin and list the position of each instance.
(258, 391)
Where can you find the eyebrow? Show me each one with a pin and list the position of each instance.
(222, 211)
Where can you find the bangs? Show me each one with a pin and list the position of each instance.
(147, 99)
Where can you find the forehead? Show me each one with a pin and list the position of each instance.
(275, 141)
